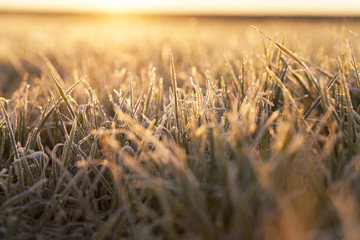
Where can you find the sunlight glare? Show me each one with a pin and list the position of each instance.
(236, 7)
(111, 5)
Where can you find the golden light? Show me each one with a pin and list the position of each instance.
(233, 7)
(68, 5)
(109, 5)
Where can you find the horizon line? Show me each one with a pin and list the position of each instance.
(176, 14)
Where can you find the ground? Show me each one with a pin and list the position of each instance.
(179, 128)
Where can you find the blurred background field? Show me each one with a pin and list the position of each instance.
(101, 47)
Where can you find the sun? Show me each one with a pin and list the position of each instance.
(112, 5)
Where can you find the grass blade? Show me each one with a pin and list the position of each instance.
(294, 57)
(174, 87)
(11, 132)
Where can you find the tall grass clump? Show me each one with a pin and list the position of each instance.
(183, 137)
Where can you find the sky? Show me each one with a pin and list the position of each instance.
(233, 7)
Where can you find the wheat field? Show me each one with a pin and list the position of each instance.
(179, 128)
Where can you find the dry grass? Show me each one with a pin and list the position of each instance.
(178, 129)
